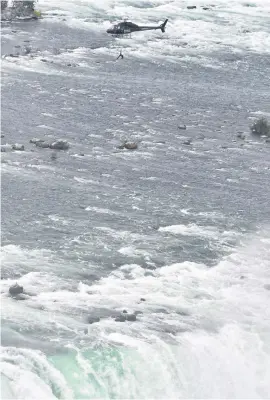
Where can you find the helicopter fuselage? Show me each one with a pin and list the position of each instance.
(126, 27)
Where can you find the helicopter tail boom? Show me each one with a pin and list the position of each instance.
(162, 26)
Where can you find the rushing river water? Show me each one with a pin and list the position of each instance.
(178, 234)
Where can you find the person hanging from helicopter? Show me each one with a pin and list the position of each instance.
(120, 55)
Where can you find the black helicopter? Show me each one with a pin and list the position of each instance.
(128, 27)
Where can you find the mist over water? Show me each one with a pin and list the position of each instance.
(176, 233)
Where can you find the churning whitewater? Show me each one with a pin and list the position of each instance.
(135, 202)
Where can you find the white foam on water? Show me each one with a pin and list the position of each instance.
(219, 349)
(50, 128)
(41, 167)
(262, 113)
(101, 210)
(227, 333)
(123, 235)
(149, 178)
(85, 181)
(191, 230)
(24, 260)
(19, 261)
(16, 168)
(216, 324)
(185, 211)
(59, 219)
(24, 63)
(49, 115)
(132, 251)
(28, 375)
(211, 214)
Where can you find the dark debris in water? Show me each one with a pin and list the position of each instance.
(126, 317)
(92, 320)
(16, 289)
(121, 318)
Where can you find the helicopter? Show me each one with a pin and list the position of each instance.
(126, 27)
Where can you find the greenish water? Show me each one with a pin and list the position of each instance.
(95, 374)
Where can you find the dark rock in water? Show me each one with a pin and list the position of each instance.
(16, 289)
(18, 147)
(57, 145)
(187, 142)
(43, 60)
(191, 7)
(124, 311)
(60, 145)
(267, 286)
(261, 127)
(223, 146)
(142, 299)
(131, 317)
(182, 127)
(206, 8)
(43, 145)
(149, 266)
(81, 154)
(2, 136)
(92, 320)
(129, 146)
(242, 277)
(241, 135)
(121, 318)
(10, 147)
(36, 140)
(14, 55)
(267, 140)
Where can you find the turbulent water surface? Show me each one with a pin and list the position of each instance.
(178, 233)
